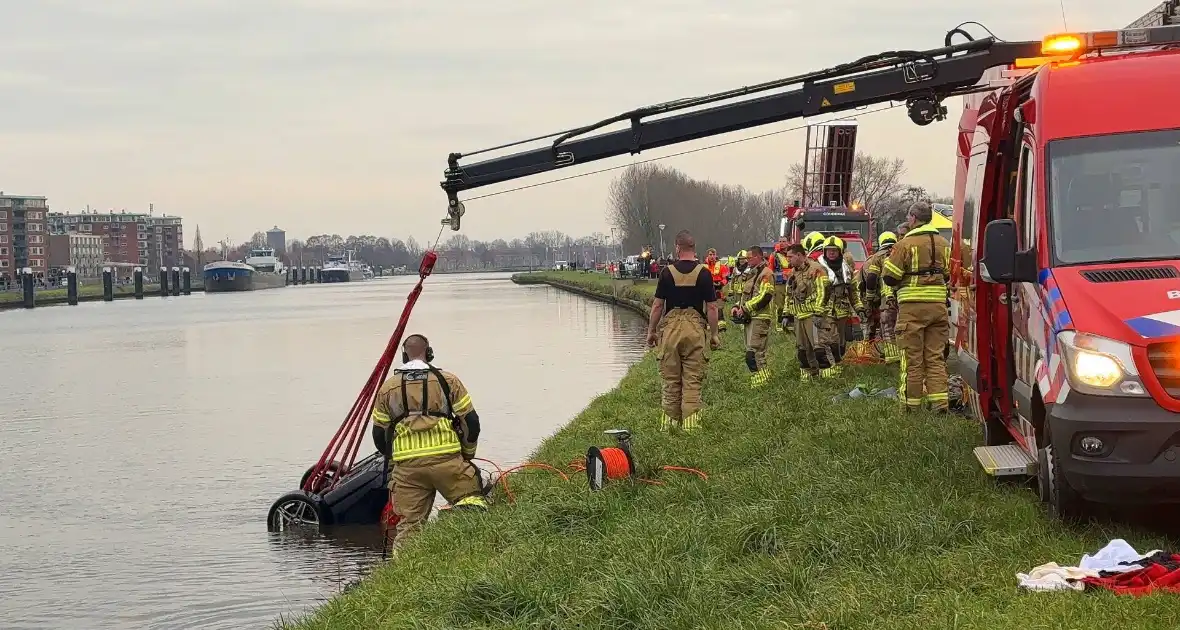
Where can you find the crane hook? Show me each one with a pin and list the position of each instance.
(455, 211)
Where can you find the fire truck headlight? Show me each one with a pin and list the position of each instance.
(1099, 366)
(1096, 370)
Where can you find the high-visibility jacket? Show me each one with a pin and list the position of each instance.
(779, 267)
(719, 272)
(808, 289)
(875, 291)
(426, 408)
(839, 300)
(919, 267)
(759, 293)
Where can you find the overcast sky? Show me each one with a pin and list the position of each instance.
(337, 115)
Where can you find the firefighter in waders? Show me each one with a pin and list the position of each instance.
(839, 304)
(918, 269)
(683, 320)
(424, 421)
(720, 273)
(807, 287)
(880, 297)
(779, 268)
(754, 309)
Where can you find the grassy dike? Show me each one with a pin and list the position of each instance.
(816, 515)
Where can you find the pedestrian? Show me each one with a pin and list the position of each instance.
(754, 310)
(808, 286)
(918, 269)
(424, 421)
(683, 320)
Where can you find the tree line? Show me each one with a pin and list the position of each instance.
(729, 218)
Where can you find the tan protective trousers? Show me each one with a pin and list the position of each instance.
(888, 338)
(776, 306)
(922, 332)
(813, 352)
(682, 357)
(414, 482)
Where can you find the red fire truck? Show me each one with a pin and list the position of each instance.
(851, 224)
(1066, 235)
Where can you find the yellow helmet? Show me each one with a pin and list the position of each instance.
(886, 239)
(812, 241)
(834, 241)
(742, 254)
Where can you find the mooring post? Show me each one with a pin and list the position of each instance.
(175, 281)
(138, 283)
(187, 278)
(163, 282)
(108, 284)
(72, 286)
(29, 288)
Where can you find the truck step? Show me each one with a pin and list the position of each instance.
(1005, 461)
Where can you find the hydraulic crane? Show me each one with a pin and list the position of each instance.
(921, 79)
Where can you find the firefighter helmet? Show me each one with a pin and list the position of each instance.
(836, 242)
(886, 239)
(812, 241)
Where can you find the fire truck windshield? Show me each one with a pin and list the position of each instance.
(857, 249)
(838, 226)
(1114, 198)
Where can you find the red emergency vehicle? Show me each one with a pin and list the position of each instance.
(1065, 300)
(1067, 292)
(852, 224)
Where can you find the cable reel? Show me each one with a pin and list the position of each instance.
(610, 463)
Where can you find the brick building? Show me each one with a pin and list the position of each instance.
(84, 252)
(23, 232)
(128, 237)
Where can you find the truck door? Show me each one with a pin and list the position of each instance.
(1023, 301)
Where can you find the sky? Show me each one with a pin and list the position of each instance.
(336, 116)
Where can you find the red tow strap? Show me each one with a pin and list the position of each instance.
(347, 441)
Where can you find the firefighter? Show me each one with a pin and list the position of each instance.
(683, 312)
(839, 304)
(423, 420)
(739, 274)
(813, 243)
(918, 269)
(754, 308)
(779, 268)
(808, 286)
(720, 272)
(880, 298)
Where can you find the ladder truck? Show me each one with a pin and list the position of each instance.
(1065, 296)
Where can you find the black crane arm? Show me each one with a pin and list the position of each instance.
(921, 79)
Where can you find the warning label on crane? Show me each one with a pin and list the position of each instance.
(825, 103)
(844, 88)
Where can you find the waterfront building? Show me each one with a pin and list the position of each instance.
(130, 238)
(22, 236)
(84, 252)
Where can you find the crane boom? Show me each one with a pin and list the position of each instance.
(920, 78)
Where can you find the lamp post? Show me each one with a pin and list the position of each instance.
(661, 240)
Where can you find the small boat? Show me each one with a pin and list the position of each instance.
(339, 268)
(261, 270)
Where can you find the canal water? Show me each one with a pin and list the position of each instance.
(144, 441)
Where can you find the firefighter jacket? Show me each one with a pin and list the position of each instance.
(779, 267)
(759, 292)
(876, 292)
(840, 299)
(719, 272)
(427, 409)
(807, 288)
(919, 266)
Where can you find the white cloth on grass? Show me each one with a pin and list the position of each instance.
(1054, 577)
(1115, 552)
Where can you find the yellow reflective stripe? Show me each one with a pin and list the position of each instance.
(438, 440)
(764, 289)
(463, 405)
(892, 270)
(379, 417)
(924, 293)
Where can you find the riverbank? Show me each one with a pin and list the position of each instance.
(86, 293)
(815, 515)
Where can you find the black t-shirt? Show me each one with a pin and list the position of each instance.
(685, 297)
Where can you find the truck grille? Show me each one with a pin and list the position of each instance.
(1165, 362)
(1133, 273)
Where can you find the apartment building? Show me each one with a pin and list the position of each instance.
(23, 236)
(149, 240)
(86, 253)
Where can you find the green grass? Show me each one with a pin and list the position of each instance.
(816, 515)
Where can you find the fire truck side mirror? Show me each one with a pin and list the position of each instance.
(1001, 263)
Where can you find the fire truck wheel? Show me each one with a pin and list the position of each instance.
(1062, 501)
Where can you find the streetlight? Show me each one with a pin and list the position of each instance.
(661, 240)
